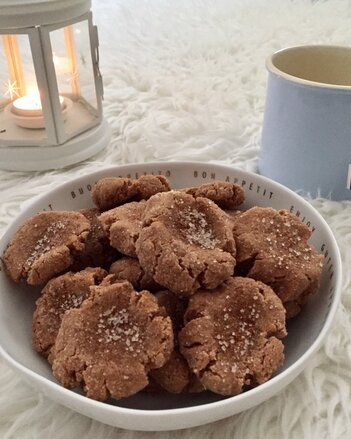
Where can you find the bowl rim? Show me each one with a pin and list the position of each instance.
(276, 381)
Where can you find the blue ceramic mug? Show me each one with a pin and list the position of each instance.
(306, 136)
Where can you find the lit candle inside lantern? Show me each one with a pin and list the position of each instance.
(27, 111)
(30, 105)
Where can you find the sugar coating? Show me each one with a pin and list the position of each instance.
(231, 338)
(111, 192)
(196, 229)
(179, 240)
(185, 243)
(59, 295)
(44, 246)
(224, 194)
(109, 344)
(232, 215)
(272, 246)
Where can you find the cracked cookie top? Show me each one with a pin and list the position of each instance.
(43, 246)
(224, 281)
(272, 246)
(185, 242)
(123, 225)
(225, 195)
(97, 251)
(231, 338)
(112, 341)
(59, 295)
(129, 269)
(110, 192)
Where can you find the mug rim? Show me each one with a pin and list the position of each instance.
(289, 77)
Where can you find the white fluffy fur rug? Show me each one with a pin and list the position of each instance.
(186, 80)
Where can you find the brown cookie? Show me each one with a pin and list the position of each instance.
(43, 246)
(123, 225)
(272, 246)
(185, 243)
(111, 192)
(194, 385)
(174, 307)
(112, 341)
(129, 269)
(231, 338)
(97, 250)
(59, 295)
(149, 185)
(174, 375)
(224, 194)
(232, 215)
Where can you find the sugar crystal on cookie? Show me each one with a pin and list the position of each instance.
(196, 228)
(116, 333)
(246, 341)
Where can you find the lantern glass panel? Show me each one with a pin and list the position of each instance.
(75, 75)
(21, 115)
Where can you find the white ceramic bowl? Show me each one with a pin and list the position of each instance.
(169, 412)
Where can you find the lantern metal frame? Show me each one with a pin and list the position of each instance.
(58, 148)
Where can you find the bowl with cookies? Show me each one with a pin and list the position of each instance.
(162, 296)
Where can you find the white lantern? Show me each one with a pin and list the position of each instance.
(50, 84)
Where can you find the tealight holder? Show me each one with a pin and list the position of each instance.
(50, 85)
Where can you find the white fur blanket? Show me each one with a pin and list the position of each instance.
(186, 80)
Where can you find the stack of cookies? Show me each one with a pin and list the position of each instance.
(162, 290)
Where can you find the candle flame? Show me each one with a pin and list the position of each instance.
(31, 101)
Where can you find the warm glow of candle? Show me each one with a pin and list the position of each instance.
(30, 104)
(27, 111)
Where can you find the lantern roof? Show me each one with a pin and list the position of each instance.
(27, 13)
